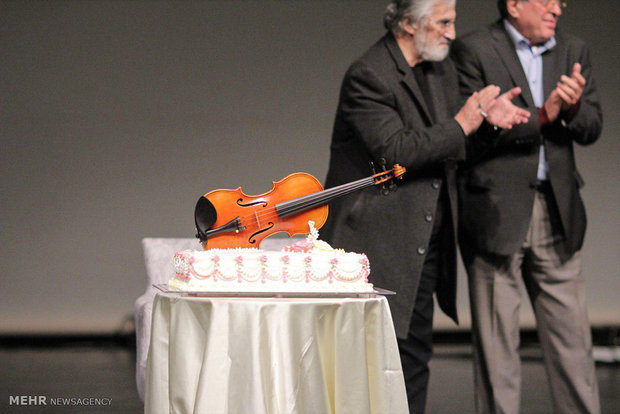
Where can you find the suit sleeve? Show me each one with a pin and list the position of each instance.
(372, 110)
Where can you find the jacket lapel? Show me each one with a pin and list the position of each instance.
(506, 51)
(407, 75)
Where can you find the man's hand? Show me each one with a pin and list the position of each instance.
(503, 113)
(566, 94)
(570, 89)
(472, 113)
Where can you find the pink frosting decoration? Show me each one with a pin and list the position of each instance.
(301, 246)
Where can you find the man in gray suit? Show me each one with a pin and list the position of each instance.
(522, 220)
(399, 103)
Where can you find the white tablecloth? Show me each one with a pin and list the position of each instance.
(273, 355)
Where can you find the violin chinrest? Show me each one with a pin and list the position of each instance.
(205, 216)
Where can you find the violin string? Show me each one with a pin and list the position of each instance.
(290, 206)
(322, 197)
(304, 202)
(308, 201)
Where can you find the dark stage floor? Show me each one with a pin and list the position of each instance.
(97, 372)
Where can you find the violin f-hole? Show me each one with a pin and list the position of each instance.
(252, 237)
(256, 203)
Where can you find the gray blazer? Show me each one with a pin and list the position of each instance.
(382, 114)
(496, 183)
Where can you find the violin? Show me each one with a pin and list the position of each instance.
(230, 218)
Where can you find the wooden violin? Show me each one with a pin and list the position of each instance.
(230, 218)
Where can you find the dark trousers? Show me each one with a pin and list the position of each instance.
(417, 349)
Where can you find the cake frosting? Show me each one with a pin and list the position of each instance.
(309, 265)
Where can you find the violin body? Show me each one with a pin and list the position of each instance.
(258, 215)
(230, 218)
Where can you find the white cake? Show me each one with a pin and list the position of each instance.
(310, 265)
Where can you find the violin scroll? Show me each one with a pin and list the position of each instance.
(388, 176)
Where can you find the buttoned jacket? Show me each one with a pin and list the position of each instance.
(497, 182)
(382, 114)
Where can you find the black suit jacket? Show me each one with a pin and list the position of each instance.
(382, 114)
(496, 183)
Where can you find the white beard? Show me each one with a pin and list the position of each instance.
(428, 52)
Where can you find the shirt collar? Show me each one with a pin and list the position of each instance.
(519, 40)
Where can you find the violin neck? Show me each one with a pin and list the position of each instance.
(297, 205)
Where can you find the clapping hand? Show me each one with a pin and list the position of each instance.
(472, 113)
(567, 93)
(502, 113)
(570, 89)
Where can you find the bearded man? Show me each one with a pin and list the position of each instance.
(399, 103)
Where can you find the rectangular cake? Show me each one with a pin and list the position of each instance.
(310, 265)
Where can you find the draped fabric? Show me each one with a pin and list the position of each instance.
(273, 355)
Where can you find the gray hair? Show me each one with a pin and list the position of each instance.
(417, 10)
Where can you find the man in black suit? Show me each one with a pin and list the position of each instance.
(399, 103)
(522, 220)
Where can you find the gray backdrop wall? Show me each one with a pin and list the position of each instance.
(117, 115)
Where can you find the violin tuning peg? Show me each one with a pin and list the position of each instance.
(382, 163)
(372, 167)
